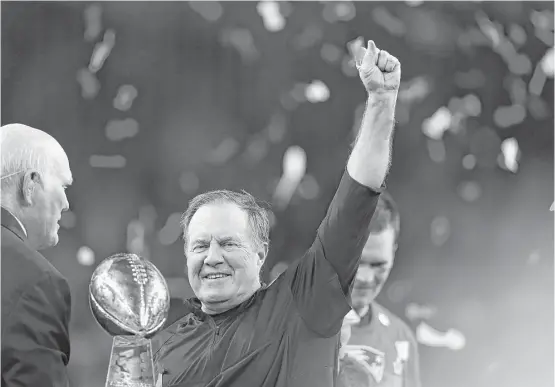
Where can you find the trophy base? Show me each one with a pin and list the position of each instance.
(131, 363)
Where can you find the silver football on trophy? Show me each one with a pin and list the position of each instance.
(129, 296)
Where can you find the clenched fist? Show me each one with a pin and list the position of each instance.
(379, 71)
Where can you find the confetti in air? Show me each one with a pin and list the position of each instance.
(85, 256)
(294, 168)
(511, 154)
(452, 339)
(242, 40)
(505, 116)
(470, 191)
(125, 97)
(90, 86)
(171, 230)
(317, 91)
(415, 311)
(102, 161)
(271, 16)
(93, 22)
(101, 51)
(437, 124)
(210, 10)
(117, 130)
(136, 238)
(223, 152)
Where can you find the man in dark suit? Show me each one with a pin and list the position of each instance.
(36, 302)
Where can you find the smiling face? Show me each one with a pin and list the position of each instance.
(223, 260)
(375, 265)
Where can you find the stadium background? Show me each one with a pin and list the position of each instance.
(156, 102)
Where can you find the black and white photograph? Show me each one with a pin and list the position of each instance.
(277, 193)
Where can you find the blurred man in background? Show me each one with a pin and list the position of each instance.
(240, 332)
(392, 351)
(36, 302)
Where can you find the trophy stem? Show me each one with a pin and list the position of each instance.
(131, 363)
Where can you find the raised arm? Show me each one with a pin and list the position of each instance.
(321, 281)
(380, 73)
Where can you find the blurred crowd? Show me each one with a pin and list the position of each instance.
(157, 102)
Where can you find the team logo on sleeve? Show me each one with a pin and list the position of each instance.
(371, 358)
(402, 348)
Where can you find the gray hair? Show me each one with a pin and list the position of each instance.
(259, 221)
(23, 148)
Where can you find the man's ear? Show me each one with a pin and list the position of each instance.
(263, 253)
(32, 180)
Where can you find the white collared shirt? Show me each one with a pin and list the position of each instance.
(18, 221)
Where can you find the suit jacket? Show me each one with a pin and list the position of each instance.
(36, 309)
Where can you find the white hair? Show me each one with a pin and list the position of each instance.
(24, 148)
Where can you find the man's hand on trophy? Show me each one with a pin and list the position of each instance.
(379, 71)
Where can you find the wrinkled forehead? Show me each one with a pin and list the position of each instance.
(219, 220)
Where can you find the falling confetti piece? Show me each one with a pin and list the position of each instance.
(147, 216)
(317, 91)
(415, 311)
(85, 256)
(517, 34)
(537, 107)
(338, 11)
(547, 62)
(520, 64)
(68, 219)
(472, 105)
(223, 152)
(414, 90)
(90, 86)
(118, 130)
(470, 191)
(452, 339)
(125, 97)
(101, 161)
(440, 230)
(505, 116)
(348, 66)
(210, 10)
(511, 154)
(242, 40)
(101, 51)
(271, 15)
(517, 89)
(437, 124)
(93, 22)
(189, 182)
(294, 168)
(171, 231)
(256, 150)
(552, 206)
(136, 237)
(469, 162)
